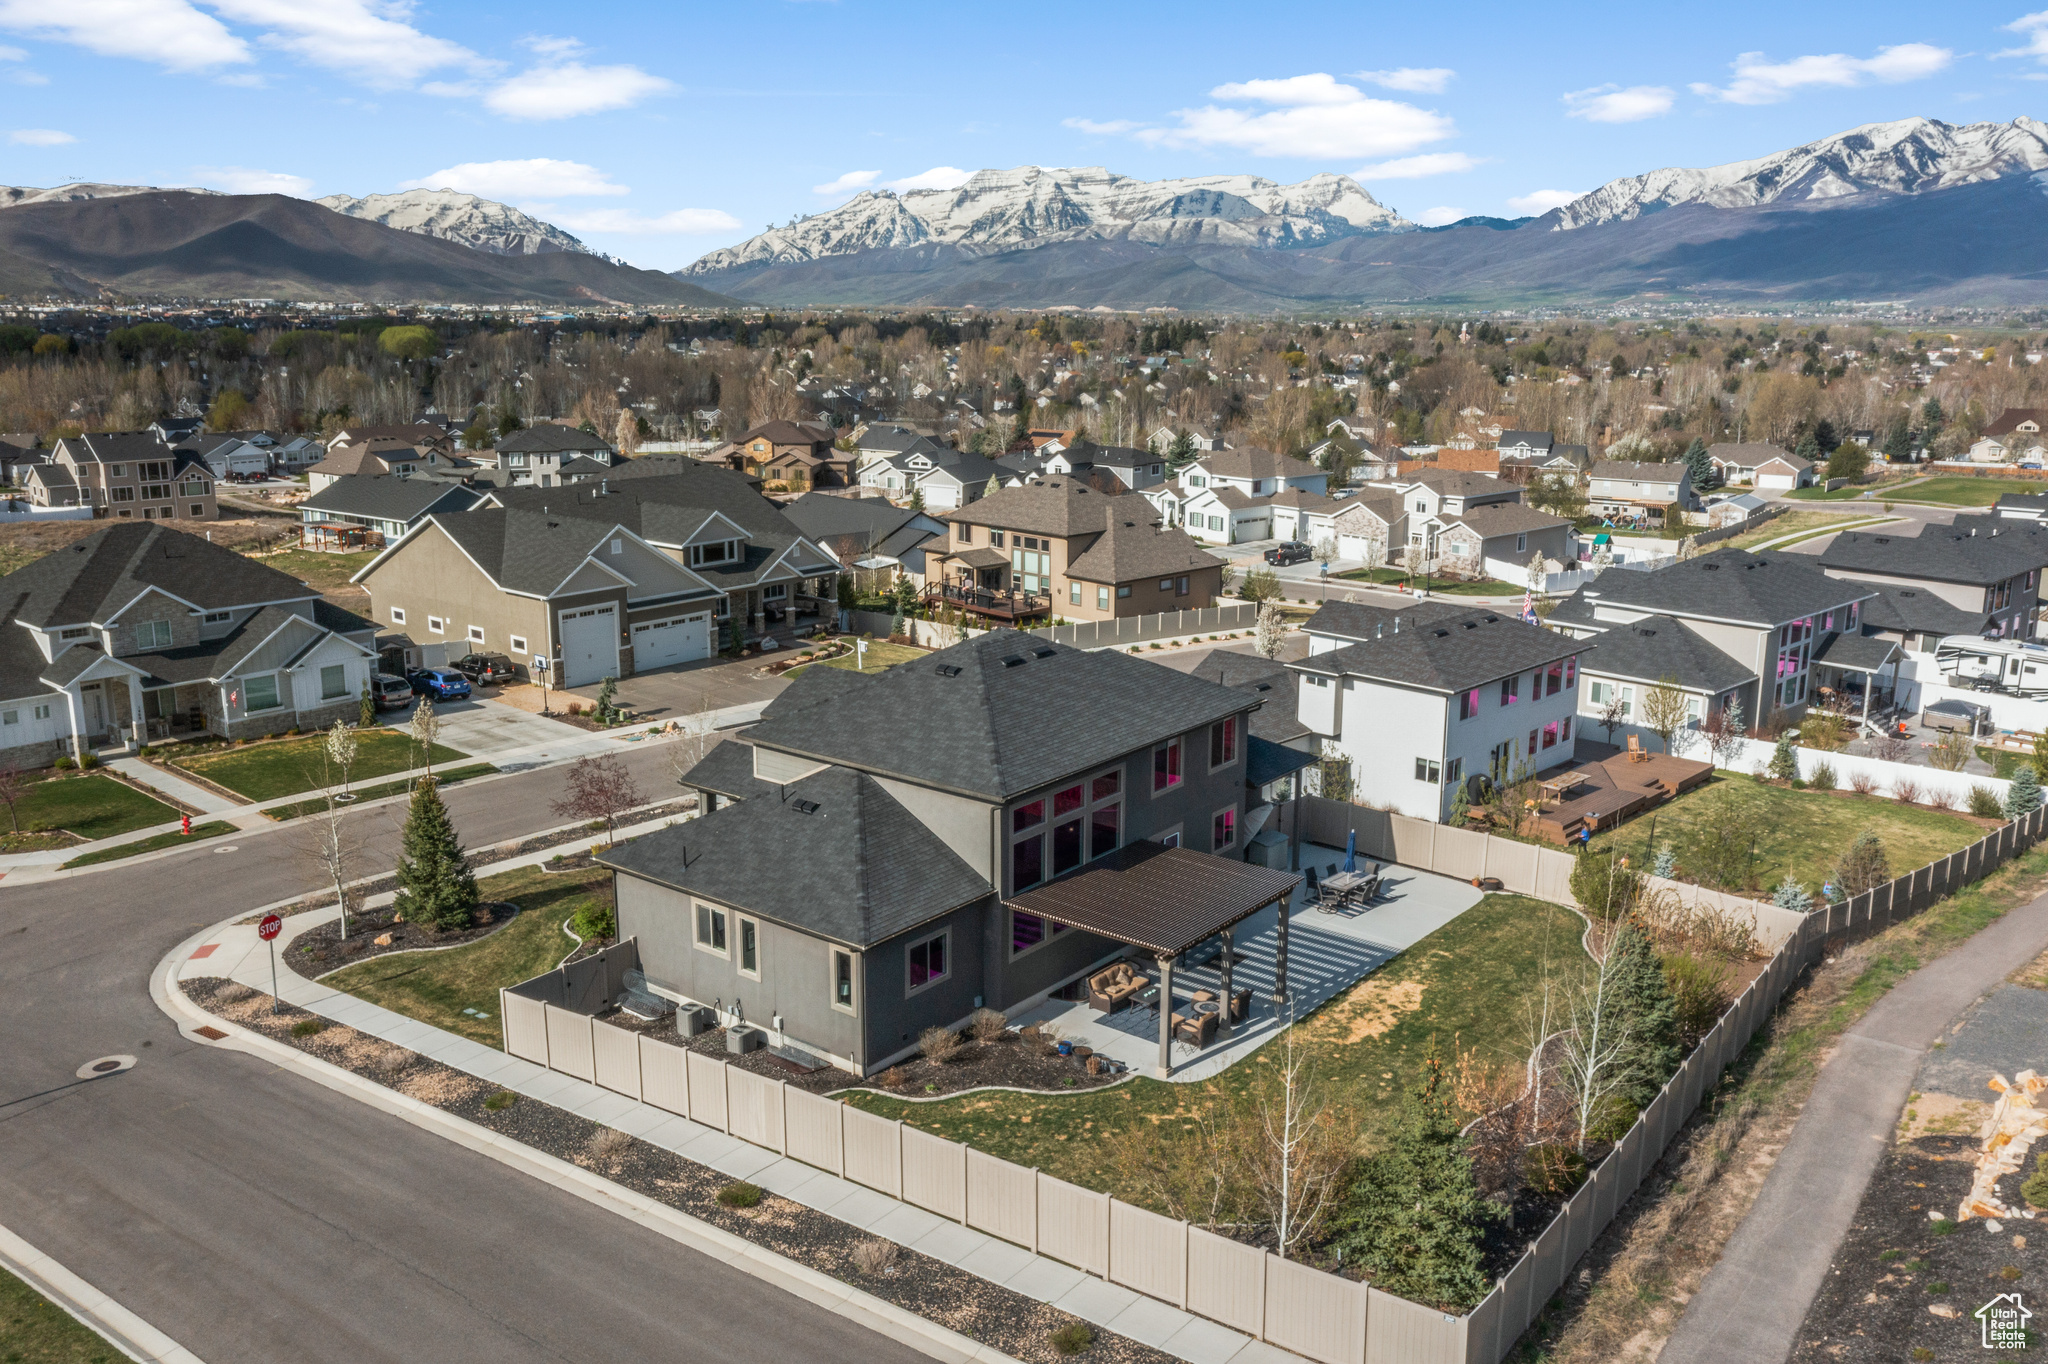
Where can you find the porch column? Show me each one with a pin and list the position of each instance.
(1165, 1067)
(1869, 686)
(74, 706)
(757, 617)
(1223, 1022)
(138, 733)
(1280, 954)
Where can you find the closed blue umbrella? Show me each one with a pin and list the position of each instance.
(1351, 851)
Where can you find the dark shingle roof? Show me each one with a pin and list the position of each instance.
(1978, 550)
(1636, 472)
(1729, 584)
(1449, 655)
(1264, 680)
(1359, 620)
(728, 769)
(1266, 761)
(551, 438)
(389, 497)
(1535, 440)
(820, 516)
(1132, 547)
(816, 686)
(1911, 609)
(90, 578)
(1657, 647)
(1000, 715)
(835, 856)
(1862, 653)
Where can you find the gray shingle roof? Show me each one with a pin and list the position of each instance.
(1358, 620)
(1505, 518)
(1449, 655)
(1657, 647)
(835, 856)
(1267, 761)
(1132, 547)
(1978, 550)
(388, 497)
(1001, 714)
(1729, 584)
(1535, 440)
(1862, 653)
(1264, 680)
(1916, 610)
(91, 578)
(1636, 472)
(551, 438)
(1254, 462)
(728, 769)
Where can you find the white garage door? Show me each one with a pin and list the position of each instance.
(590, 645)
(681, 640)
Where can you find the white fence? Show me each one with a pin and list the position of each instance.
(1927, 781)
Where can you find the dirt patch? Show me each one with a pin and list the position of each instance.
(321, 948)
(1940, 1115)
(1374, 1006)
(1013, 1061)
(2033, 975)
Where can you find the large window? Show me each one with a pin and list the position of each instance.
(1031, 564)
(1166, 773)
(1510, 689)
(153, 634)
(1223, 743)
(842, 980)
(1795, 650)
(929, 963)
(1556, 675)
(1468, 704)
(1028, 931)
(260, 693)
(750, 948)
(711, 929)
(1053, 835)
(1223, 830)
(333, 682)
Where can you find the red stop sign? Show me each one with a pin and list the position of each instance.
(270, 927)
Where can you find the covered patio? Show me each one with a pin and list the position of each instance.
(1849, 677)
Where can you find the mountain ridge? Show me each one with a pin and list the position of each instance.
(456, 216)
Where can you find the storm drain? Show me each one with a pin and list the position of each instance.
(106, 1065)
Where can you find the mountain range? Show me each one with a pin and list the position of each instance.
(454, 216)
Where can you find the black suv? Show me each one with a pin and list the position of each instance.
(1289, 552)
(486, 669)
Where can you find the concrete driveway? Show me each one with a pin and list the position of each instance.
(484, 727)
(685, 688)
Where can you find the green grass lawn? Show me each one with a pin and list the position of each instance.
(34, 1330)
(1463, 985)
(435, 987)
(1437, 586)
(880, 655)
(155, 842)
(1805, 832)
(266, 771)
(1790, 523)
(320, 570)
(92, 806)
(1964, 490)
(445, 776)
(1879, 492)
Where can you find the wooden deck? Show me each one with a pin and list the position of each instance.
(1612, 789)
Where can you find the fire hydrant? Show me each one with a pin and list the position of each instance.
(186, 824)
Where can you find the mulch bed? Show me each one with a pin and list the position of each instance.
(1012, 1060)
(1016, 1325)
(821, 1080)
(1896, 1263)
(321, 948)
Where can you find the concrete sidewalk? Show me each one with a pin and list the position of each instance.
(1752, 1303)
(234, 951)
(201, 798)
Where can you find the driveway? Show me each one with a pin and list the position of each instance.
(485, 727)
(685, 688)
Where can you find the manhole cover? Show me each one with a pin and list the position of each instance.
(105, 1065)
(230, 848)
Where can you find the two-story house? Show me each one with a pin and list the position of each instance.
(1986, 567)
(229, 454)
(1226, 494)
(377, 456)
(1061, 546)
(944, 477)
(921, 842)
(1655, 492)
(800, 454)
(1433, 699)
(2013, 434)
(869, 533)
(388, 505)
(144, 627)
(1531, 446)
(549, 455)
(126, 476)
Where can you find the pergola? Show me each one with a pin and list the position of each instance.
(1865, 654)
(1164, 901)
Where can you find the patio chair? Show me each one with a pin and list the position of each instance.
(1111, 989)
(1198, 1030)
(1312, 888)
(1635, 750)
(1240, 1005)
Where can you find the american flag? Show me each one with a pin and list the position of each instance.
(1529, 607)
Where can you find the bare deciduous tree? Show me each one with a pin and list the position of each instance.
(1664, 710)
(13, 786)
(425, 728)
(600, 788)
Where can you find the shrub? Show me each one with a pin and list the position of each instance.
(2024, 796)
(306, 1027)
(1906, 791)
(874, 1256)
(1941, 798)
(1864, 866)
(1791, 895)
(895, 1077)
(2035, 1189)
(987, 1025)
(596, 917)
(1784, 759)
(1823, 778)
(740, 1194)
(938, 1045)
(1554, 1169)
(1984, 803)
(607, 1142)
(1699, 986)
(500, 1101)
(1602, 885)
(1951, 752)
(1863, 784)
(63, 764)
(1072, 1338)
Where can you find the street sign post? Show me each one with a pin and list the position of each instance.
(268, 929)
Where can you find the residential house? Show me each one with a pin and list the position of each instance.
(125, 475)
(800, 454)
(425, 434)
(172, 430)
(1061, 546)
(1651, 492)
(229, 455)
(389, 505)
(1498, 539)
(601, 580)
(1528, 446)
(1423, 706)
(18, 450)
(879, 440)
(1987, 567)
(1337, 623)
(549, 455)
(2013, 434)
(947, 478)
(2021, 506)
(1784, 473)
(1760, 465)
(1226, 496)
(869, 533)
(902, 875)
(382, 455)
(144, 626)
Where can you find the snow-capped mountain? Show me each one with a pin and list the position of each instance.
(453, 216)
(11, 195)
(997, 210)
(1903, 157)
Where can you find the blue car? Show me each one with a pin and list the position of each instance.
(442, 684)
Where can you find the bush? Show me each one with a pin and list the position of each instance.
(938, 1045)
(500, 1101)
(2024, 796)
(1863, 784)
(1784, 759)
(607, 1142)
(874, 1256)
(1699, 986)
(1984, 803)
(1823, 778)
(740, 1195)
(1864, 867)
(306, 1027)
(1072, 1338)
(987, 1025)
(1906, 791)
(88, 762)
(596, 917)
(2035, 1189)
(895, 1077)
(1553, 1169)
(63, 764)
(1941, 798)
(1602, 885)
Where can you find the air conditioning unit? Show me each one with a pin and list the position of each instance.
(691, 1022)
(743, 1039)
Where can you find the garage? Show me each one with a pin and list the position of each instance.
(590, 645)
(683, 639)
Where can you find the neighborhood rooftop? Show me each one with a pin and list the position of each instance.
(1729, 584)
(1448, 654)
(1978, 550)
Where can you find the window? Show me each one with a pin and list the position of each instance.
(1510, 689)
(842, 980)
(1102, 599)
(192, 487)
(750, 948)
(333, 682)
(1533, 736)
(1454, 771)
(518, 643)
(1215, 523)
(1166, 766)
(10, 717)
(1181, 589)
(711, 929)
(1222, 743)
(1028, 931)
(995, 539)
(928, 964)
(1073, 594)
(775, 592)
(476, 634)
(436, 624)
(1166, 584)
(115, 470)
(1123, 591)
(618, 545)
(153, 634)
(42, 712)
(216, 617)
(123, 494)
(1556, 679)
(1564, 730)
(156, 492)
(1317, 681)
(76, 632)
(1521, 543)
(398, 615)
(1468, 704)
(1571, 672)
(966, 534)
(260, 693)
(1426, 769)
(154, 469)
(1223, 830)
(1550, 735)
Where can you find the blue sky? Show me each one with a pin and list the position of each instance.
(657, 132)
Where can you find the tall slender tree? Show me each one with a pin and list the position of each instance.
(435, 885)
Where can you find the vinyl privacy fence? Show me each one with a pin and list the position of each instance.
(1317, 1315)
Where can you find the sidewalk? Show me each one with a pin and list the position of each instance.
(1754, 1300)
(201, 798)
(234, 951)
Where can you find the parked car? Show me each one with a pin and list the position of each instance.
(1289, 552)
(486, 669)
(441, 684)
(390, 693)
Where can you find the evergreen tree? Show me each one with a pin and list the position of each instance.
(1808, 449)
(1784, 759)
(1931, 417)
(1791, 895)
(995, 485)
(1413, 1218)
(1699, 464)
(1863, 867)
(435, 884)
(1646, 1013)
(1824, 436)
(1666, 863)
(2024, 797)
(1898, 440)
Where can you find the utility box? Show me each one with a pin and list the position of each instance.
(692, 1022)
(743, 1039)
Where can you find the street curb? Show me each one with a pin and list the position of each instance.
(863, 1309)
(121, 1328)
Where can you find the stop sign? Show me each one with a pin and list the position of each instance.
(270, 927)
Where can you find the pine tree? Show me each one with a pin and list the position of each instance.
(1666, 863)
(1784, 759)
(435, 884)
(1864, 866)
(1808, 449)
(2024, 796)
(1700, 465)
(1791, 895)
(1646, 1014)
(1898, 440)
(1413, 1218)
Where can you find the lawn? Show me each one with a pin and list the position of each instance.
(1462, 985)
(1878, 492)
(435, 987)
(1964, 490)
(319, 570)
(92, 806)
(1805, 832)
(154, 843)
(880, 655)
(34, 1330)
(445, 776)
(1791, 523)
(1437, 586)
(284, 767)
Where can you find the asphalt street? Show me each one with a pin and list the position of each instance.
(256, 1216)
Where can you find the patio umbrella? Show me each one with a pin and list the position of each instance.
(1351, 851)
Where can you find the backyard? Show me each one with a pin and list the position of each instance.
(1437, 585)
(284, 767)
(1736, 829)
(327, 573)
(1461, 986)
(436, 986)
(91, 806)
(879, 655)
(1966, 490)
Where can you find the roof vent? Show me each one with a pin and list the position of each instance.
(1440, 634)
(1710, 568)
(949, 670)
(1379, 629)
(1881, 540)
(804, 807)
(1046, 652)
(1263, 686)
(1013, 661)
(1471, 625)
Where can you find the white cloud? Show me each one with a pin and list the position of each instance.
(848, 183)
(938, 177)
(1415, 167)
(1419, 80)
(567, 89)
(1761, 82)
(558, 48)
(243, 180)
(12, 54)
(39, 137)
(1105, 129)
(370, 40)
(679, 222)
(1438, 217)
(168, 33)
(539, 178)
(1616, 104)
(1539, 201)
(1318, 116)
